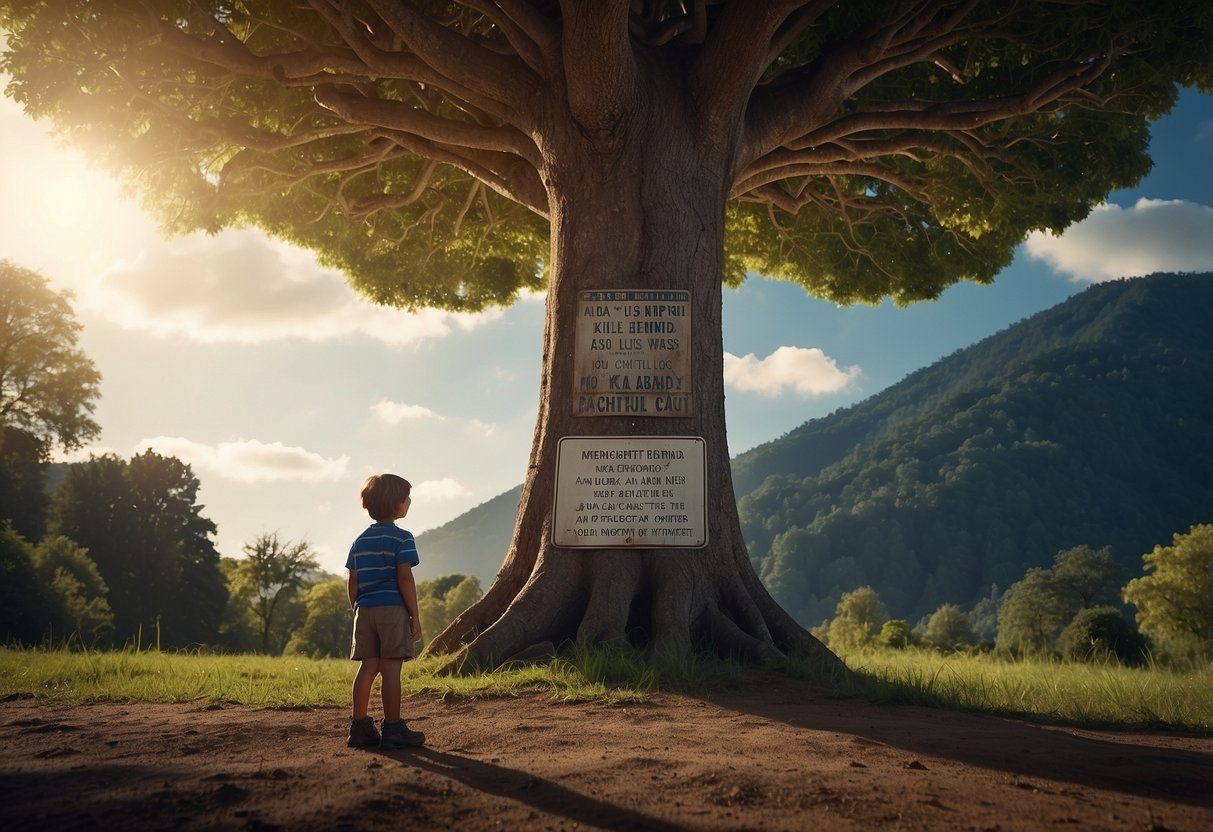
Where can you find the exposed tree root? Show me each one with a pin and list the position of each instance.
(665, 602)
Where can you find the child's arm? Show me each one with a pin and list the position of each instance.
(351, 586)
(408, 591)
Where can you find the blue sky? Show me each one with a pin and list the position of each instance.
(284, 390)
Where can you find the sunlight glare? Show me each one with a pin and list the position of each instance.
(61, 216)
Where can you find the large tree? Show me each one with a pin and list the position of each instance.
(48, 386)
(1174, 598)
(144, 529)
(455, 153)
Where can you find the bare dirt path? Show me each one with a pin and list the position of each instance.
(769, 757)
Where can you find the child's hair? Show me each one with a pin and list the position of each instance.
(382, 494)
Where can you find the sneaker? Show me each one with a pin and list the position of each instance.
(397, 735)
(363, 733)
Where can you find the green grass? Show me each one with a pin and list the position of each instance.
(1093, 696)
(1042, 690)
(78, 676)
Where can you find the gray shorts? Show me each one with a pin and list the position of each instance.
(381, 633)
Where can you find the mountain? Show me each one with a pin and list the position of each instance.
(1088, 423)
(474, 543)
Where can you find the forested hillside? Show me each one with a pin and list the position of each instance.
(1089, 423)
(473, 543)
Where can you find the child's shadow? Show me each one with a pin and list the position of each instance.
(536, 792)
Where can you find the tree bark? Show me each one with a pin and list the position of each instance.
(640, 207)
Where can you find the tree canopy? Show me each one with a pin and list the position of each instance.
(271, 577)
(142, 526)
(48, 386)
(1174, 598)
(871, 149)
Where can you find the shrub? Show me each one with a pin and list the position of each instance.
(896, 634)
(948, 629)
(1100, 633)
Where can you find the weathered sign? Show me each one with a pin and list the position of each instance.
(633, 353)
(637, 492)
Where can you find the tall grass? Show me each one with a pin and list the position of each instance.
(1041, 689)
(78, 676)
(1075, 694)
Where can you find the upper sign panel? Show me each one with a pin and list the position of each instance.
(633, 353)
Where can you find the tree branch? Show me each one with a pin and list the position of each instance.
(600, 73)
(913, 33)
(459, 58)
(395, 115)
(534, 38)
(737, 53)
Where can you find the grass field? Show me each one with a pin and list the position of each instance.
(1075, 694)
(1089, 695)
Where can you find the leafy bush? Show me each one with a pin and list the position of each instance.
(896, 634)
(948, 629)
(858, 619)
(1101, 633)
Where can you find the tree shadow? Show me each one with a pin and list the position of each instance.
(1121, 761)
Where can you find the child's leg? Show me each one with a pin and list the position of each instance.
(389, 670)
(364, 680)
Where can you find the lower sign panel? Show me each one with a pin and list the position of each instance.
(638, 492)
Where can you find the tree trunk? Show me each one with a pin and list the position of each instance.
(641, 209)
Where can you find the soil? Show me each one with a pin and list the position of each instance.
(773, 756)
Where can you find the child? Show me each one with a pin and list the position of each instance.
(383, 594)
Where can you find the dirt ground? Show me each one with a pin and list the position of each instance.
(772, 756)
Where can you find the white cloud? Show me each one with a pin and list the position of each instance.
(237, 286)
(1153, 236)
(808, 372)
(396, 412)
(249, 460)
(435, 491)
(242, 286)
(481, 429)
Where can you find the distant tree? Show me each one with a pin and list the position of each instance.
(48, 387)
(268, 581)
(948, 629)
(23, 601)
(23, 498)
(166, 489)
(1174, 599)
(984, 615)
(897, 634)
(442, 599)
(76, 589)
(1035, 609)
(454, 154)
(238, 631)
(1032, 614)
(858, 619)
(1086, 576)
(1100, 634)
(326, 629)
(143, 527)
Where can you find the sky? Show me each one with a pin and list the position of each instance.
(283, 389)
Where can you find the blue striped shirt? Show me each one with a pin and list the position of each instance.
(374, 556)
